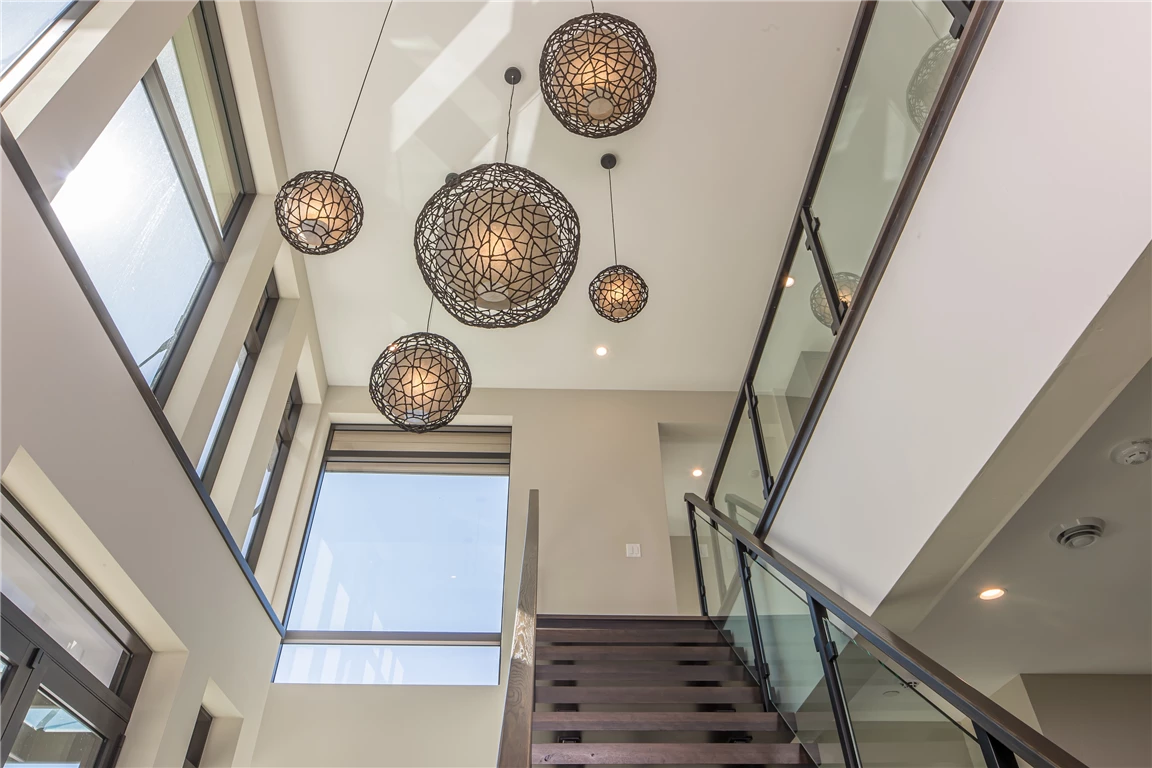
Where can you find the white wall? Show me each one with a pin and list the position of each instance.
(595, 457)
(1036, 207)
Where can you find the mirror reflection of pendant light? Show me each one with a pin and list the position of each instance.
(497, 244)
(598, 74)
(929, 75)
(846, 283)
(618, 293)
(420, 381)
(320, 212)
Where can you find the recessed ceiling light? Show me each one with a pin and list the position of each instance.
(697, 472)
(992, 594)
(601, 351)
(789, 281)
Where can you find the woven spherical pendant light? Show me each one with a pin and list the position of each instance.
(420, 382)
(618, 293)
(927, 79)
(598, 75)
(319, 212)
(846, 283)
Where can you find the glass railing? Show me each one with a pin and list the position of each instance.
(895, 93)
(851, 692)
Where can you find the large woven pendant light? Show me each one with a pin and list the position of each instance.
(497, 244)
(598, 74)
(320, 212)
(846, 284)
(929, 74)
(420, 381)
(618, 293)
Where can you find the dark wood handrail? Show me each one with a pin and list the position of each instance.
(1032, 747)
(515, 749)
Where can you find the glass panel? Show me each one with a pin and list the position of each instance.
(404, 552)
(189, 75)
(722, 588)
(214, 432)
(796, 676)
(894, 724)
(390, 664)
(52, 736)
(36, 591)
(22, 23)
(740, 492)
(127, 215)
(901, 67)
(795, 353)
(268, 471)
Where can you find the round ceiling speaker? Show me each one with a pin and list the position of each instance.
(497, 246)
(1078, 534)
(846, 283)
(420, 382)
(598, 75)
(319, 212)
(618, 293)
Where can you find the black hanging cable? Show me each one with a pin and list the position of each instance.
(593, 4)
(428, 322)
(612, 209)
(508, 130)
(363, 82)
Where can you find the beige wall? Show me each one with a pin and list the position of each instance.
(595, 457)
(684, 574)
(1103, 720)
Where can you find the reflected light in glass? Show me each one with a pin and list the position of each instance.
(789, 281)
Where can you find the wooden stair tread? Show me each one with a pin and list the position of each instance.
(568, 694)
(614, 635)
(655, 721)
(657, 754)
(654, 672)
(655, 653)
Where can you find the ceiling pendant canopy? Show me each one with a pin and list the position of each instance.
(846, 283)
(497, 244)
(598, 75)
(420, 382)
(320, 212)
(618, 293)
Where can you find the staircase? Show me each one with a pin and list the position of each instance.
(635, 690)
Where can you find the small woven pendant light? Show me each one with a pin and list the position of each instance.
(618, 293)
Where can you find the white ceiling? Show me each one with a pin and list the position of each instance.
(705, 189)
(1065, 611)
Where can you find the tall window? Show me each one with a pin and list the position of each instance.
(71, 667)
(229, 409)
(273, 472)
(402, 575)
(143, 207)
(28, 33)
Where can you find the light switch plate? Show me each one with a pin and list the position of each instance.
(632, 550)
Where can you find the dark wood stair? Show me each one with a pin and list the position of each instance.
(636, 690)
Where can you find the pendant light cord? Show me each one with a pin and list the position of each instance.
(508, 129)
(362, 84)
(612, 210)
(593, 4)
(428, 322)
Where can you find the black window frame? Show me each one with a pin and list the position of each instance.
(199, 739)
(37, 661)
(285, 432)
(253, 344)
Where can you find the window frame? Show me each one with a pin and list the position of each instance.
(386, 637)
(28, 62)
(253, 344)
(285, 432)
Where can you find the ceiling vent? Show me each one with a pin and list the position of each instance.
(1132, 452)
(1080, 533)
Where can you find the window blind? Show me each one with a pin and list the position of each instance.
(449, 450)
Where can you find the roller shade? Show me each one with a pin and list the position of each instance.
(449, 450)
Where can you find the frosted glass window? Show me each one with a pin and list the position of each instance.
(129, 219)
(217, 422)
(404, 553)
(389, 664)
(22, 23)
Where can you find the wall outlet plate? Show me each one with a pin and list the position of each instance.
(632, 550)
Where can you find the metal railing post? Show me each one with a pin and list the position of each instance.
(753, 624)
(696, 559)
(828, 653)
(996, 755)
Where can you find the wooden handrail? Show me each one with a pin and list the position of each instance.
(515, 749)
